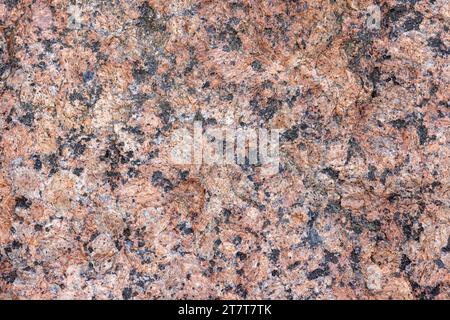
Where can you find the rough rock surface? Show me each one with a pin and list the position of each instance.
(91, 208)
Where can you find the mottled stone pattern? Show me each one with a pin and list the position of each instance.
(92, 208)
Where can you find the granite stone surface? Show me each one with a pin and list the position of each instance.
(91, 207)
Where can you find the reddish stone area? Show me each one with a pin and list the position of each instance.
(91, 207)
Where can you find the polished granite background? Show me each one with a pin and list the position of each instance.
(91, 207)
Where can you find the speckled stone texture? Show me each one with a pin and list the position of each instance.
(91, 207)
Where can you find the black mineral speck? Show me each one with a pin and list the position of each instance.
(151, 65)
(132, 173)
(290, 134)
(333, 206)
(317, 273)
(313, 237)
(274, 255)
(438, 45)
(422, 132)
(355, 258)
(333, 174)
(184, 174)
(27, 119)
(127, 293)
(88, 76)
(241, 291)
(269, 111)
(397, 12)
(185, 228)
(159, 180)
(241, 256)
(148, 21)
(293, 265)
(371, 172)
(37, 162)
(237, 240)
(77, 171)
(257, 66)
(439, 263)
(405, 262)
(447, 247)
(165, 111)
(10, 4)
(22, 202)
(399, 124)
(413, 23)
(10, 277)
(330, 257)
